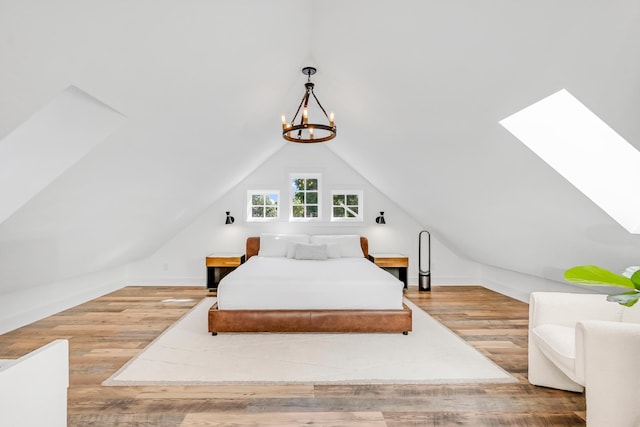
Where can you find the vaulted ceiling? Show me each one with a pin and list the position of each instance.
(418, 88)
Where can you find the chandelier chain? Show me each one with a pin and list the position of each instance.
(320, 105)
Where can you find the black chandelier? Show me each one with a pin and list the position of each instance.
(304, 131)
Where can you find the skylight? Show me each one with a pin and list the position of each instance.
(585, 151)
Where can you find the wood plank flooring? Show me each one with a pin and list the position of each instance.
(106, 332)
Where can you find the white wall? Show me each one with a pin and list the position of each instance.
(519, 286)
(181, 260)
(28, 305)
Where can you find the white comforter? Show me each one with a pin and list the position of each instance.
(281, 283)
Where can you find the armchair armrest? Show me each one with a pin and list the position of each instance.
(606, 356)
(566, 309)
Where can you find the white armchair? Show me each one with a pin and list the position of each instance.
(579, 341)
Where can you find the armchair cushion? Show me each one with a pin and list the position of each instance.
(558, 343)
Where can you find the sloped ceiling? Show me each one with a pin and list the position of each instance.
(418, 88)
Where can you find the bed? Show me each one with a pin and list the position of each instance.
(275, 293)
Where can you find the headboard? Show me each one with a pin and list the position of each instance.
(253, 246)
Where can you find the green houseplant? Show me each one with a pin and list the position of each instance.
(592, 275)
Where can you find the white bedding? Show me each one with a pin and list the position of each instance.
(280, 283)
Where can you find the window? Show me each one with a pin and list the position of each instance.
(585, 150)
(305, 197)
(346, 205)
(263, 205)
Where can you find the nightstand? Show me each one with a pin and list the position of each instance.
(391, 262)
(219, 265)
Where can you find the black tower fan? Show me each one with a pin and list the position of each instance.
(424, 261)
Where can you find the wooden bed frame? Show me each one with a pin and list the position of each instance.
(308, 320)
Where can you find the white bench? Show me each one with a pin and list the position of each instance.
(33, 388)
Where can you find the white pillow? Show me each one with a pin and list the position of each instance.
(313, 252)
(349, 244)
(333, 250)
(275, 245)
(291, 249)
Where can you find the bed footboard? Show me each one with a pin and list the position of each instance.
(309, 320)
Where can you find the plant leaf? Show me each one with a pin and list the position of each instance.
(627, 299)
(635, 279)
(592, 275)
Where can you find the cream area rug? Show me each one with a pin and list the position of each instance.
(186, 354)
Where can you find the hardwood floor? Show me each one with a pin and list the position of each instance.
(106, 332)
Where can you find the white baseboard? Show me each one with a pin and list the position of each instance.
(166, 281)
(447, 281)
(518, 294)
(29, 305)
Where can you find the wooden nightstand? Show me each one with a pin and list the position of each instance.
(392, 262)
(219, 265)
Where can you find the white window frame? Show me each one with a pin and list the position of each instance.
(359, 217)
(293, 191)
(250, 194)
